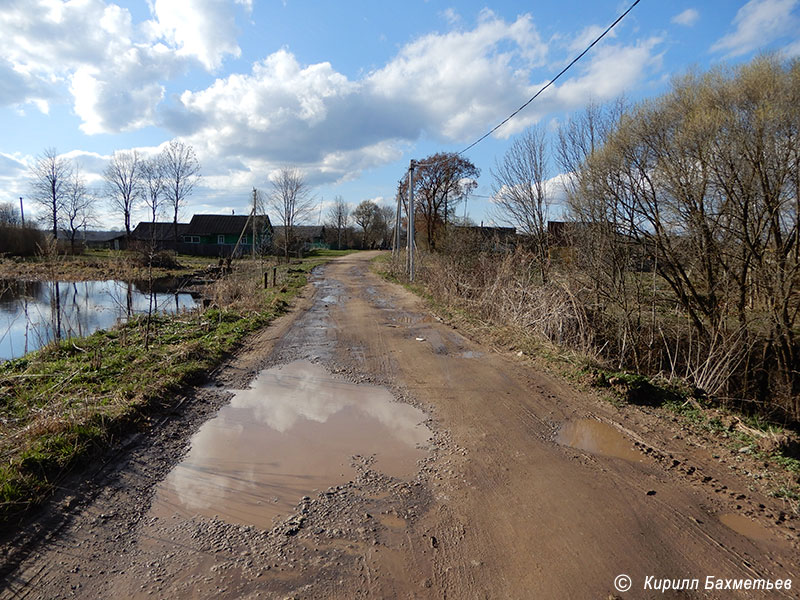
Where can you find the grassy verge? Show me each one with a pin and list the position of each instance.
(96, 264)
(69, 402)
(768, 442)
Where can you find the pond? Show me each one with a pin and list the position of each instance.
(33, 313)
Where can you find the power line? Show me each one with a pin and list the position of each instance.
(552, 81)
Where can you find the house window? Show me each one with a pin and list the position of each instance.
(220, 239)
(191, 239)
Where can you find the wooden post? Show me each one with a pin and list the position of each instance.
(274, 276)
(266, 279)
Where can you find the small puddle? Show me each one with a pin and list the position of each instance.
(471, 354)
(745, 526)
(598, 438)
(294, 431)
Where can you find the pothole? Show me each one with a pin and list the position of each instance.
(598, 438)
(744, 526)
(293, 432)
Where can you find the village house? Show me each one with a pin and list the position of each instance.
(226, 235)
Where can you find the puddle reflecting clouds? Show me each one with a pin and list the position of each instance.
(292, 432)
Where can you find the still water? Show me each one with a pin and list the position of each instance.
(291, 434)
(32, 313)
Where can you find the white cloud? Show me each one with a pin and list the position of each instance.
(114, 69)
(284, 112)
(792, 50)
(587, 36)
(460, 81)
(687, 18)
(124, 93)
(451, 16)
(758, 23)
(449, 87)
(203, 29)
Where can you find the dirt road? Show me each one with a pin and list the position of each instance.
(500, 505)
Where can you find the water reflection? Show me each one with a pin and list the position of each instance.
(294, 431)
(598, 438)
(32, 313)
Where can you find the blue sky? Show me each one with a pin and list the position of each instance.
(346, 91)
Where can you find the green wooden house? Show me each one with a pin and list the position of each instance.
(218, 235)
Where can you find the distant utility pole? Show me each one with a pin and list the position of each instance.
(397, 216)
(410, 236)
(21, 212)
(255, 203)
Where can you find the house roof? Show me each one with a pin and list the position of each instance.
(92, 236)
(223, 224)
(302, 232)
(163, 231)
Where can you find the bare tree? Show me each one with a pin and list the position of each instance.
(153, 184)
(441, 182)
(181, 173)
(291, 200)
(78, 207)
(338, 215)
(367, 214)
(9, 214)
(520, 194)
(124, 184)
(49, 182)
(703, 183)
(387, 222)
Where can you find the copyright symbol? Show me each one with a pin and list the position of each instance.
(622, 583)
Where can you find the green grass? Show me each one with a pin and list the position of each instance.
(70, 401)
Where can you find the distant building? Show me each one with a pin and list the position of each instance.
(225, 235)
(162, 233)
(478, 237)
(112, 240)
(304, 237)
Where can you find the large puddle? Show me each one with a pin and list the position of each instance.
(294, 432)
(598, 438)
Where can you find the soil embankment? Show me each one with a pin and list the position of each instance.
(518, 495)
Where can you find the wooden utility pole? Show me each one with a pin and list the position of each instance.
(255, 202)
(398, 215)
(410, 236)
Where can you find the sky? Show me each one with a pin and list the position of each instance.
(348, 92)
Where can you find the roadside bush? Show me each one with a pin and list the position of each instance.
(20, 241)
(639, 331)
(161, 259)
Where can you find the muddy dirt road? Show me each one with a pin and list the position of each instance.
(449, 471)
